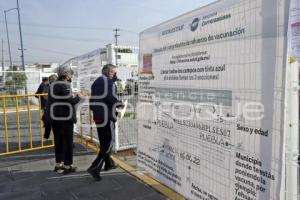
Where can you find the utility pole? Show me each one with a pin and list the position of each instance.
(2, 53)
(116, 44)
(2, 62)
(7, 35)
(21, 40)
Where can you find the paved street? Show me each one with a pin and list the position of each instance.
(29, 176)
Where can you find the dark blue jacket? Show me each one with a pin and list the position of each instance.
(43, 88)
(103, 101)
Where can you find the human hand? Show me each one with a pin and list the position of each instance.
(83, 93)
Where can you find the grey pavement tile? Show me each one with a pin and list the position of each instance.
(29, 176)
(5, 175)
(17, 175)
(95, 189)
(132, 189)
(91, 197)
(27, 195)
(5, 187)
(151, 196)
(62, 188)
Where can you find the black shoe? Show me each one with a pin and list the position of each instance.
(58, 168)
(94, 172)
(69, 169)
(109, 167)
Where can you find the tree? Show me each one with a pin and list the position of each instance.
(15, 80)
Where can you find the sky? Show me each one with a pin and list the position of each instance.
(57, 30)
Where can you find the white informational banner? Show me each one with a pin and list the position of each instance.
(211, 100)
(89, 69)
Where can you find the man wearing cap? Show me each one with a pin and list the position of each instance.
(61, 114)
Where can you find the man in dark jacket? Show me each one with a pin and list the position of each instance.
(47, 126)
(43, 87)
(61, 114)
(103, 103)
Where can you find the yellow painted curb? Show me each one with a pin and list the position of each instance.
(171, 194)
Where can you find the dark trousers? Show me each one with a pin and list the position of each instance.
(105, 135)
(63, 142)
(47, 132)
(47, 126)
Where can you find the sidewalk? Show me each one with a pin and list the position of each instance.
(29, 176)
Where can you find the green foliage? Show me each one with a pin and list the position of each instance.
(19, 78)
(15, 80)
(130, 115)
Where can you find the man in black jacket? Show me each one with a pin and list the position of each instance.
(61, 114)
(47, 126)
(103, 103)
(43, 87)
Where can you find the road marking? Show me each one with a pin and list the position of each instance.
(86, 175)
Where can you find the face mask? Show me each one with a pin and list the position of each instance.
(115, 78)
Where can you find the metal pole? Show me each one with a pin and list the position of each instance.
(3, 69)
(21, 40)
(116, 49)
(2, 53)
(10, 62)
